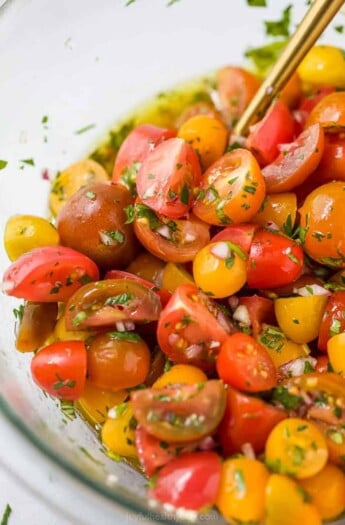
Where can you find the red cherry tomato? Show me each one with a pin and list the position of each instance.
(260, 310)
(309, 101)
(333, 320)
(189, 328)
(240, 234)
(164, 295)
(296, 162)
(332, 165)
(322, 364)
(167, 177)
(246, 420)
(273, 261)
(189, 481)
(134, 149)
(245, 364)
(60, 369)
(277, 127)
(49, 274)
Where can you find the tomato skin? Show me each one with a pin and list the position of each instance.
(191, 235)
(260, 309)
(240, 234)
(322, 364)
(322, 220)
(297, 162)
(236, 87)
(189, 481)
(273, 261)
(167, 177)
(180, 413)
(188, 330)
(247, 419)
(60, 369)
(277, 127)
(135, 148)
(48, 274)
(329, 112)
(164, 295)
(278, 209)
(309, 102)
(332, 165)
(245, 364)
(333, 320)
(94, 305)
(37, 323)
(231, 190)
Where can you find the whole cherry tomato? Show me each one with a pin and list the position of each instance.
(329, 112)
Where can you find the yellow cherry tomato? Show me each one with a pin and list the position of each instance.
(117, 433)
(327, 491)
(279, 347)
(300, 317)
(323, 65)
(62, 334)
(207, 135)
(285, 503)
(95, 402)
(148, 267)
(26, 232)
(220, 269)
(69, 181)
(296, 447)
(241, 493)
(173, 275)
(186, 374)
(279, 209)
(336, 352)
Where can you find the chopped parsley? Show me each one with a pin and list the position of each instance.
(257, 3)
(18, 312)
(282, 396)
(62, 383)
(84, 129)
(264, 57)
(79, 318)
(288, 226)
(308, 368)
(29, 162)
(44, 119)
(280, 27)
(68, 409)
(121, 299)
(240, 483)
(6, 515)
(293, 258)
(125, 336)
(115, 235)
(90, 195)
(3, 164)
(335, 327)
(184, 195)
(339, 29)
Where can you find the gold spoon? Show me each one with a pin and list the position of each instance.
(315, 21)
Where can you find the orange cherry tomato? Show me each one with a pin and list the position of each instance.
(231, 190)
(277, 127)
(332, 165)
(323, 226)
(296, 161)
(277, 210)
(236, 87)
(37, 323)
(329, 112)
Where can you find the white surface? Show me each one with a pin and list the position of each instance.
(82, 62)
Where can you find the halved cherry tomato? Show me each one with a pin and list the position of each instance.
(117, 360)
(241, 496)
(247, 419)
(36, 325)
(220, 269)
(49, 274)
(181, 374)
(310, 100)
(281, 349)
(332, 164)
(278, 210)
(60, 369)
(176, 240)
(95, 402)
(154, 453)
(191, 328)
(134, 149)
(231, 190)
(104, 303)
(173, 275)
(207, 135)
(189, 481)
(260, 310)
(274, 260)
(285, 503)
(327, 491)
(167, 177)
(240, 234)
(296, 161)
(180, 413)
(277, 127)
(118, 432)
(244, 364)
(300, 317)
(329, 113)
(236, 87)
(323, 226)
(296, 447)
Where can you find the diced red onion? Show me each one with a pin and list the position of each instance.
(193, 351)
(164, 231)
(316, 290)
(221, 250)
(173, 338)
(214, 344)
(233, 302)
(248, 450)
(241, 314)
(120, 326)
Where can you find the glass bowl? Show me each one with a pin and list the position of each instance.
(82, 64)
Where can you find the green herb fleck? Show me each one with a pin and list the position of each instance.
(282, 396)
(280, 27)
(62, 383)
(115, 235)
(257, 3)
(84, 129)
(335, 327)
(240, 483)
(184, 195)
(18, 312)
(339, 29)
(308, 368)
(122, 299)
(29, 162)
(6, 515)
(90, 195)
(125, 336)
(3, 164)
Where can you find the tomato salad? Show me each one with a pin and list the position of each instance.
(191, 303)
